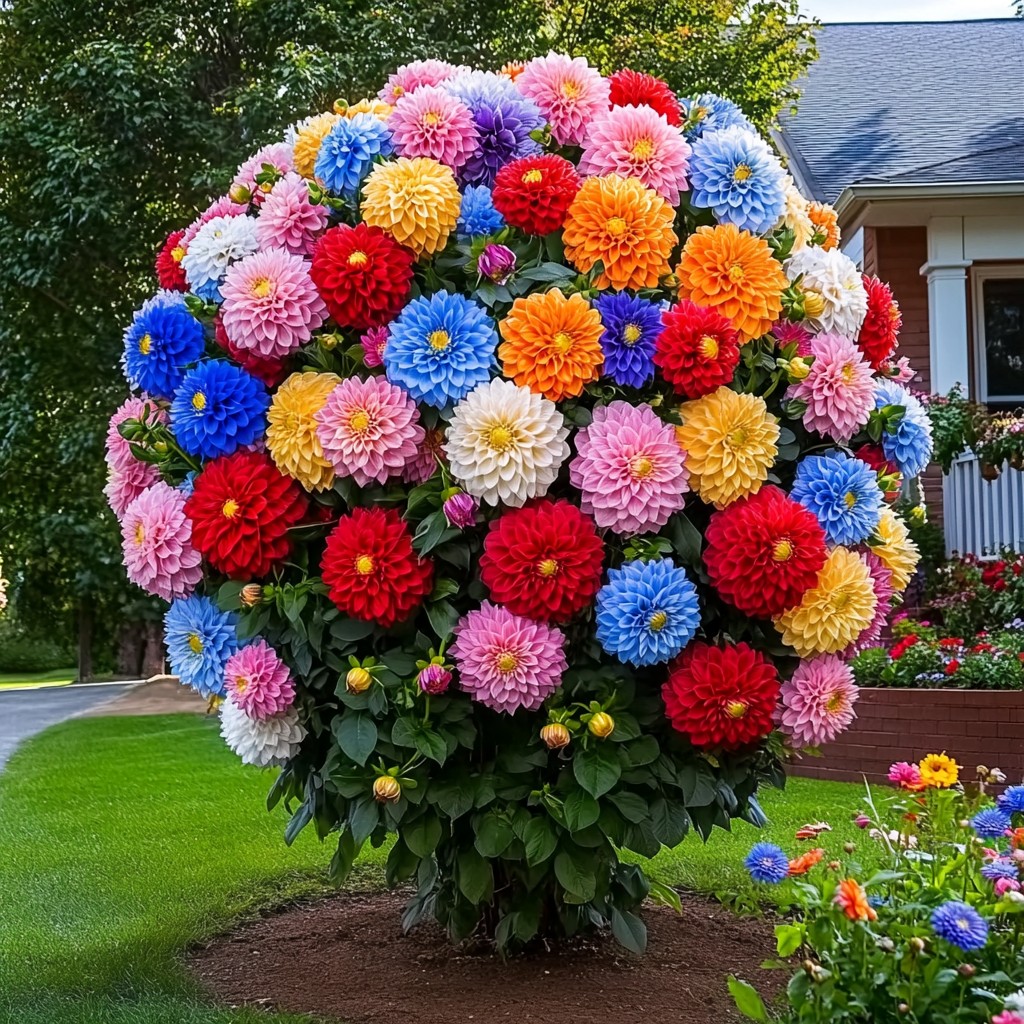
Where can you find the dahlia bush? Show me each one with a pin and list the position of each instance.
(514, 451)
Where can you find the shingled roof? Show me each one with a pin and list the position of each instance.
(910, 103)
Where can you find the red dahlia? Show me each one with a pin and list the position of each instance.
(169, 272)
(697, 350)
(241, 510)
(363, 275)
(637, 89)
(543, 561)
(371, 568)
(874, 456)
(764, 552)
(534, 193)
(880, 331)
(271, 371)
(721, 697)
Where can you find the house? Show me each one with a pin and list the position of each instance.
(915, 133)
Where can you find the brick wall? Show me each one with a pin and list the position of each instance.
(973, 726)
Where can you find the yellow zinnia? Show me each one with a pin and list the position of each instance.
(730, 442)
(835, 611)
(378, 108)
(308, 137)
(291, 429)
(939, 771)
(415, 201)
(897, 552)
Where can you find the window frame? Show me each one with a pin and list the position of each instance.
(979, 275)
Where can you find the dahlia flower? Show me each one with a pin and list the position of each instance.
(939, 771)
(630, 327)
(794, 216)
(910, 444)
(376, 107)
(217, 244)
(631, 473)
(853, 901)
(416, 75)
(477, 215)
(125, 483)
(894, 547)
(267, 742)
(647, 612)
(1011, 800)
(307, 137)
(697, 349)
(843, 494)
(200, 638)
(496, 262)
(568, 91)
(880, 331)
(506, 444)
(374, 342)
(533, 193)
(787, 333)
(349, 151)
(431, 122)
(960, 925)
(169, 274)
(460, 510)
(270, 371)
(369, 429)
(430, 453)
(817, 701)
(710, 113)
(258, 682)
(288, 220)
(137, 407)
(292, 439)
(634, 88)
(833, 277)
(277, 155)
(507, 662)
(163, 340)
(826, 224)
(905, 775)
(767, 864)
(222, 207)
(991, 823)
(881, 582)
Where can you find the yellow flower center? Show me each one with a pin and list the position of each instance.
(548, 567)
(500, 438)
(241, 684)
(736, 273)
(736, 708)
(741, 173)
(570, 90)
(140, 534)
(640, 467)
(178, 254)
(657, 622)
(195, 643)
(616, 226)
(814, 304)
(782, 551)
(507, 662)
(261, 287)
(835, 703)
(439, 340)
(840, 599)
(708, 347)
(631, 334)
(430, 117)
(397, 91)
(359, 421)
(699, 113)
(894, 313)
(738, 437)
(364, 565)
(145, 344)
(562, 342)
(850, 499)
(199, 401)
(230, 508)
(532, 176)
(847, 373)
(357, 258)
(643, 149)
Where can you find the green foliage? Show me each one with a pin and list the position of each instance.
(956, 422)
(970, 595)
(27, 652)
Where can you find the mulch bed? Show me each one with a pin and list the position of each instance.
(345, 958)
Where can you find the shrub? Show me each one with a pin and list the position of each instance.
(27, 652)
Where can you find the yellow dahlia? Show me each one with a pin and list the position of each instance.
(376, 107)
(835, 611)
(939, 771)
(896, 551)
(795, 216)
(291, 429)
(415, 201)
(730, 442)
(308, 136)
(626, 226)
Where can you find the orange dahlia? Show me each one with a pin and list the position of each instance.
(625, 225)
(852, 900)
(826, 224)
(735, 273)
(552, 344)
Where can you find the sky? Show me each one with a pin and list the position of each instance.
(906, 10)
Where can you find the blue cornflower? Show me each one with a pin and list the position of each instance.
(163, 339)
(1001, 867)
(910, 446)
(218, 408)
(647, 612)
(843, 494)
(960, 925)
(767, 863)
(631, 327)
(440, 347)
(711, 113)
(200, 638)
(1012, 800)
(990, 823)
(348, 151)
(734, 173)
(478, 216)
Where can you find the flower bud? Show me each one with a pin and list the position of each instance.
(387, 790)
(799, 367)
(239, 194)
(555, 735)
(982, 771)
(834, 865)
(814, 304)
(849, 847)
(497, 263)
(670, 282)
(967, 970)
(904, 1008)
(460, 510)
(862, 821)
(917, 944)
(886, 944)
(251, 595)
(434, 679)
(808, 966)
(358, 680)
(601, 725)
(328, 342)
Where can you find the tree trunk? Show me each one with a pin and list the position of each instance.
(130, 641)
(153, 652)
(85, 672)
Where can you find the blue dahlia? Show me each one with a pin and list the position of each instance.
(1001, 867)
(440, 347)
(1012, 800)
(711, 113)
(843, 494)
(478, 216)
(767, 863)
(162, 341)
(631, 327)
(734, 173)
(960, 925)
(348, 151)
(990, 823)
(218, 408)
(910, 445)
(647, 612)
(200, 638)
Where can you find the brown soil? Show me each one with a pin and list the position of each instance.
(346, 958)
(161, 695)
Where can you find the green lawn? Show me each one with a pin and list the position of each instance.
(18, 680)
(122, 840)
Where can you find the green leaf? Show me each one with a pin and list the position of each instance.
(363, 817)
(431, 744)
(475, 877)
(546, 273)
(493, 835)
(665, 895)
(443, 617)
(575, 874)
(747, 1001)
(404, 731)
(356, 734)
(453, 798)
(788, 938)
(422, 835)
(629, 929)
(632, 806)
(581, 810)
(540, 840)
(349, 630)
(686, 539)
(597, 769)
(229, 596)
(642, 751)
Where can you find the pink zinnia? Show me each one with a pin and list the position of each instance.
(817, 702)
(271, 306)
(905, 774)
(369, 429)
(278, 154)
(424, 463)
(418, 73)
(156, 537)
(119, 453)
(568, 91)
(630, 469)
(222, 207)
(881, 581)
(786, 332)
(429, 122)
(637, 142)
(900, 371)
(288, 220)
(839, 389)
(258, 681)
(125, 483)
(506, 661)
(373, 342)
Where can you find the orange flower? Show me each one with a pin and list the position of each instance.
(802, 864)
(825, 222)
(552, 344)
(625, 225)
(734, 272)
(513, 69)
(853, 901)
(1017, 838)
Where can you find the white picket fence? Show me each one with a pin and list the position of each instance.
(981, 516)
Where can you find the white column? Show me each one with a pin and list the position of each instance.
(946, 271)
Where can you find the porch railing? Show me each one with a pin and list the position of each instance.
(981, 517)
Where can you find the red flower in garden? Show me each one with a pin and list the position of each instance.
(721, 697)
(543, 561)
(633, 88)
(952, 667)
(951, 641)
(271, 371)
(169, 272)
(371, 568)
(764, 552)
(874, 456)
(697, 350)
(534, 193)
(902, 646)
(241, 509)
(879, 333)
(363, 275)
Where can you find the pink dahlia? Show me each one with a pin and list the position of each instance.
(568, 91)
(415, 75)
(899, 371)
(156, 537)
(817, 703)
(637, 142)
(222, 207)
(271, 305)
(288, 220)
(424, 463)
(258, 681)
(373, 342)
(430, 122)
(881, 581)
(906, 775)
(839, 389)
(278, 155)
(506, 661)
(369, 429)
(126, 483)
(119, 453)
(786, 332)
(630, 469)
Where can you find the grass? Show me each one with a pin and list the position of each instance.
(27, 680)
(123, 840)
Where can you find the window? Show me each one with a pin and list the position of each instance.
(999, 334)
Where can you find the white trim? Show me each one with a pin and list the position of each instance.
(946, 273)
(979, 276)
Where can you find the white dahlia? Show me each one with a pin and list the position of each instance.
(833, 277)
(263, 742)
(216, 244)
(506, 444)
(796, 216)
